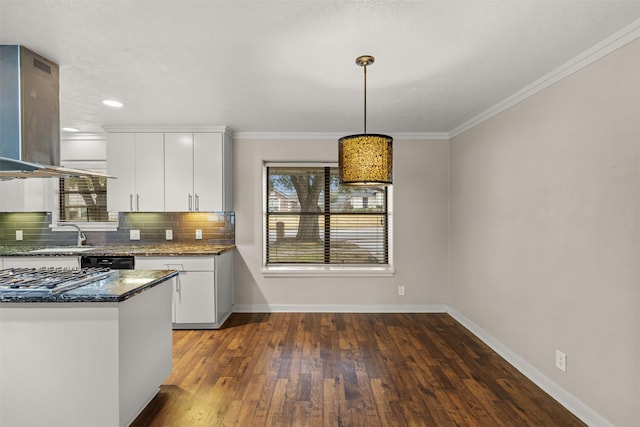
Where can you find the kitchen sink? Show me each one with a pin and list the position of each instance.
(61, 250)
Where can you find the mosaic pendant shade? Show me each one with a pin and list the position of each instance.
(365, 158)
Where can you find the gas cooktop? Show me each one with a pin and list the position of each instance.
(49, 280)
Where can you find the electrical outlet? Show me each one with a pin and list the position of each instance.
(134, 234)
(18, 234)
(168, 234)
(198, 234)
(401, 291)
(561, 361)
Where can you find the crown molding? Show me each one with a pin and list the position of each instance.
(82, 136)
(167, 128)
(336, 135)
(612, 43)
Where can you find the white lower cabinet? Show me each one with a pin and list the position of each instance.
(203, 291)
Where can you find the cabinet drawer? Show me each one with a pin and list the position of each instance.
(181, 263)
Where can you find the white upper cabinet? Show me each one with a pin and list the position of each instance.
(194, 172)
(198, 172)
(208, 172)
(27, 195)
(137, 161)
(174, 170)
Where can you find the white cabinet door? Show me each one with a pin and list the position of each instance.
(137, 161)
(121, 163)
(150, 172)
(195, 297)
(38, 194)
(11, 195)
(208, 170)
(194, 172)
(195, 290)
(27, 195)
(178, 170)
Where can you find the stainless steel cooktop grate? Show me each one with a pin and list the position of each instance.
(53, 280)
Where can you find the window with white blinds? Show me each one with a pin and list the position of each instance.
(311, 219)
(84, 199)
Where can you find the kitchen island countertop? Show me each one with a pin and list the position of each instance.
(120, 285)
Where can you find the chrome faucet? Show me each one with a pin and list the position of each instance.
(82, 238)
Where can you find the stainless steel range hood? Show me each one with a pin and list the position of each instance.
(30, 117)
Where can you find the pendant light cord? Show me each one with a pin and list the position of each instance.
(365, 98)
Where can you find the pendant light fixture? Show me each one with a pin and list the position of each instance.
(365, 158)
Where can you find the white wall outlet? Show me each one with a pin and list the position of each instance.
(18, 234)
(401, 290)
(198, 234)
(561, 361)
(134, 234)
(168, 234)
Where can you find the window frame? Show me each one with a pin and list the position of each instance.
(323, 270)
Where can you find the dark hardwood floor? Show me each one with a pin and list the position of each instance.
(337, 369)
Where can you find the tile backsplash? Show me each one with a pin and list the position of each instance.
(217, 228)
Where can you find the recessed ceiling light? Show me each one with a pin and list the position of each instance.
(112, 103)
(70, 129)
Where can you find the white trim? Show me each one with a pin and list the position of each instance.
(80, 136)
(566, 399)
(326, 271)
(336, 135)
(167, 129)
(338, 308)
(619, 39)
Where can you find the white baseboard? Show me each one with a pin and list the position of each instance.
(339, 308)
(566, 399)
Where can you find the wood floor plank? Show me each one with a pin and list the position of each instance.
(344, 369)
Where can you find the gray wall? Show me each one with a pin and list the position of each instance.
(545, 235)
(420, 216)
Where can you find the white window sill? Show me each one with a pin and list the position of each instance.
(326, 271)
(86, 226)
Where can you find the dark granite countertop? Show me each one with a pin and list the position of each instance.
(119, 286)
(176, 249)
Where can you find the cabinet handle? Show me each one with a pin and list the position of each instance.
(131, 201)
(137, 201)
(190, 201)
(197, 203)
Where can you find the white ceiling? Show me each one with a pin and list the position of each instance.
(288, 66)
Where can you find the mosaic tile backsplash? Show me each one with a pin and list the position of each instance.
(217, 228)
